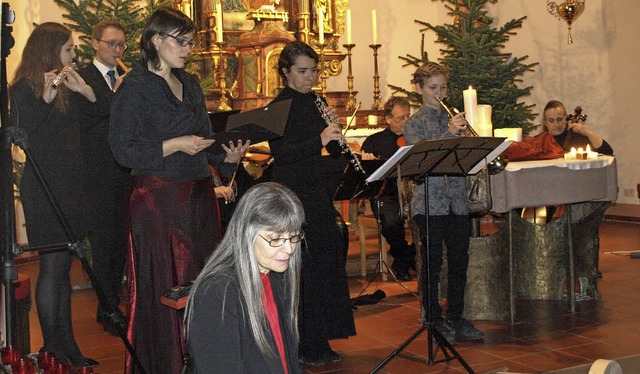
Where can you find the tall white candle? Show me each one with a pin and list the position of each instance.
(470, 106)
(374, 26)
(304, 6)
(347, 26)
(219, 27)
(321, 25)
(186, 6)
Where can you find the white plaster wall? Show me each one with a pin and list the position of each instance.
(596, 71)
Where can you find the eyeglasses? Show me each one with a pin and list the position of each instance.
(279, 242)
(114, 44)
(402, 118)
(182, 41)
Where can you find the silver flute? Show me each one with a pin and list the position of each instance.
(60, 77)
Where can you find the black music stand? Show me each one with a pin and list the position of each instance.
(352, 186)
(256, 125)
(457, 156)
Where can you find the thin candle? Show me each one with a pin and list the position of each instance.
(374, 26)
(219, 36)
(347, 26)
(321, 25)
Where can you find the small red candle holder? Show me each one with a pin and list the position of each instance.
(45, 359)
(10, 355)
(24, 366)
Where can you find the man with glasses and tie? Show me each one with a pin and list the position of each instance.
(106, 180)
(382, 145)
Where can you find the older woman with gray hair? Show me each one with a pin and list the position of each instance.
(242, 314)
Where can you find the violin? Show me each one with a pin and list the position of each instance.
(258, 154)
(576, 116)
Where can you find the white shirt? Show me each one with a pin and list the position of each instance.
(104, 69)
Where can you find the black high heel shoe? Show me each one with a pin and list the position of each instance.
(81, 361)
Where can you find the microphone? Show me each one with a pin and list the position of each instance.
(60, 77)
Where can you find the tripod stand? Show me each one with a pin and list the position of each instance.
(381, 267)
(77, 248)
(451, 156)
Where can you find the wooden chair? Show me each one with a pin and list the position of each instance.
(369, 222)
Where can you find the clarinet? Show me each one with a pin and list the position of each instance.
(351, 154)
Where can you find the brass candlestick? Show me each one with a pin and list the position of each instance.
(323, 74)
(377, 102)
(351, 103)
(224, 105)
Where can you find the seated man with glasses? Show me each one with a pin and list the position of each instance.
(383, 145)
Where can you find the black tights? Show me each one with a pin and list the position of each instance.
(53, 299)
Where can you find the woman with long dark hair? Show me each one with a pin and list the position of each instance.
(325, 306)
(50, 119)
(159, 128)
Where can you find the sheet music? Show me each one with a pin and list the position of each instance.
(390, 164)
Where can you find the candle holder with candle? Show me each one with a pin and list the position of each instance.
(351, 101)
(377, 101)
(222, 80)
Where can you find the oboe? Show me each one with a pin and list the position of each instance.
(351, 154)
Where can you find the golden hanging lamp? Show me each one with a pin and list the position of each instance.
(569, 11)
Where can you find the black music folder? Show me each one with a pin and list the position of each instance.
(256, 125)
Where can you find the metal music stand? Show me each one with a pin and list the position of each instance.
(353, 186)
(457, 156)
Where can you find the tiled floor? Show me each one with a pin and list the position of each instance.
(544, 337)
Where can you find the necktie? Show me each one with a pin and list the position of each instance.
(112, 77)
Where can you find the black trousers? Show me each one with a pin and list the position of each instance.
(452, 231)
(392, 228)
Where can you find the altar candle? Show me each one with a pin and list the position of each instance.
(304, 6)
(321, 25)
(374, 26)
(219, 27)
(470, 106)
(483, 120)
(186, 6)
(347, 26)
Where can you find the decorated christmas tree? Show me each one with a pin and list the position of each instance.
(474, 52)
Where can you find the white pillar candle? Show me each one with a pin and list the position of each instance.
(470, 106)
(484, 125)
(219, 37)
(321, 25)
(374, 26)
(347, 26)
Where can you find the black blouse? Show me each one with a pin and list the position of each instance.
(145, 112)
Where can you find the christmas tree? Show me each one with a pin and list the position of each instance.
(84, 14)
(475, 54)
